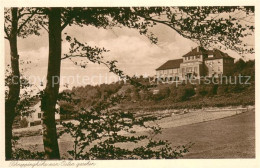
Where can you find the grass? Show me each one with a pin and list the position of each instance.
(231, 137)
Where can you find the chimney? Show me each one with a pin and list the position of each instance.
(198, 49)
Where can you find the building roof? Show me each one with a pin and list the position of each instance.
(217, 54)
(171, 64)
(196, 51)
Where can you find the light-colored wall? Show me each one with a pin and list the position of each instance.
(37, 109)
(190, 67)
(214, 67)
(167, 72)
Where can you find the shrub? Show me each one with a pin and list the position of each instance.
(184, 92)
(222, 89)
(206, 90)
(105, 128)
(163, 94)
(24, 123)
(22, 154)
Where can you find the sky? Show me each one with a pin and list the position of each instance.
(134, 52)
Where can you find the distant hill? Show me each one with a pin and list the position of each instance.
(169, 96)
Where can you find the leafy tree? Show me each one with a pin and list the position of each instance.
(196, 23)
(18, 23)
(100, 132)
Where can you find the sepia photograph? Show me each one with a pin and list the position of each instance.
(129, 83)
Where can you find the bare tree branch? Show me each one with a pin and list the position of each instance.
(6, 32)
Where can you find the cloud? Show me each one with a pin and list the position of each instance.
(135, 53)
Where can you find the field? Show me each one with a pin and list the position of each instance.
(231, 137)
(218, 134)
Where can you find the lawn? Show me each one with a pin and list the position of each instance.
(214, 136)
(231, 137)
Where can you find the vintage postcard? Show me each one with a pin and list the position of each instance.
(112, 84)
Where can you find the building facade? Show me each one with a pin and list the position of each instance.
(35, 118)
(196, 63)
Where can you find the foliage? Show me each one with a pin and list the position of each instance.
(201, 24)
(23, 123)
(206, 90)
(245, 69)
(99, 132)
(30, 21)
(163, 93)
(23, 154)
(185, 92)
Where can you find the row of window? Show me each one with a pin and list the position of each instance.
(168, 71)
(167, 79)
(213, 61)
(192, 57)
(190, 69)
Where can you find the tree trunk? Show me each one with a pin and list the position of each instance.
(14, 86)
(50, 94)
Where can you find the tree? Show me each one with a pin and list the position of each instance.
(101, 132)
(195, 23)
(50, 94)
(18, 22)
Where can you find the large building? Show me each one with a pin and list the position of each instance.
(196, 63)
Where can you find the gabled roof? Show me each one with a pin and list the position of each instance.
(196, 51)
(171, 64)
(217, 54)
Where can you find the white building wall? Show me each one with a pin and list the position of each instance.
(36, 116)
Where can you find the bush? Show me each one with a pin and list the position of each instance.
(101, 128)
(222, 89)
(22, 154)
(24, 123)
(206, 90)
(163, 94)
(184, 92)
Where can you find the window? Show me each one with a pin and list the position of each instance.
(189, 69)
(188, 58)
(39, 115)
(196, 69)
(218, 68)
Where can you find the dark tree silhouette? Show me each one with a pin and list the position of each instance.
(190, 22)
(204, 25)
(18, 22)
